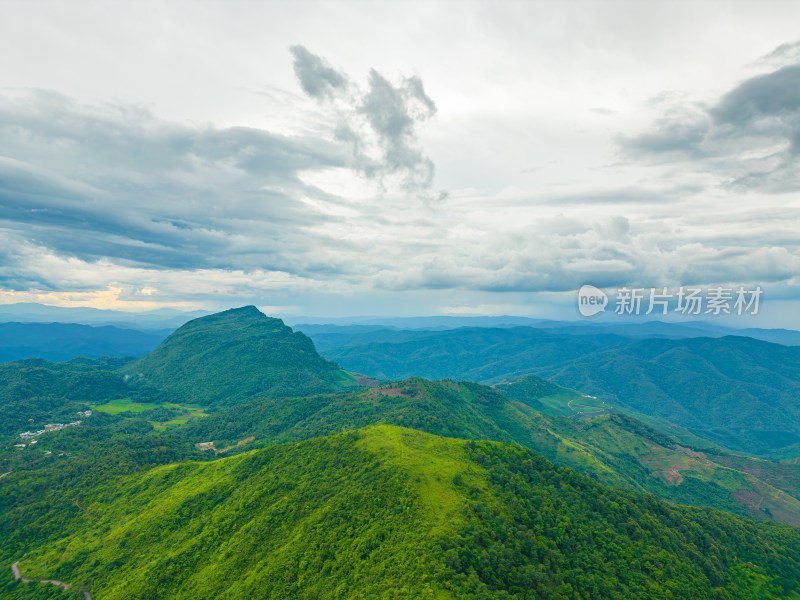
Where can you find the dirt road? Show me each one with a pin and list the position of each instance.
(18, 576)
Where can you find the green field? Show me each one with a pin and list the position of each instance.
(115, 407)
(179, 414)
(570, 403)
(119, 406)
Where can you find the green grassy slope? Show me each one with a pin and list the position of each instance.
(387, 512)
(235, 355)
(613, 449)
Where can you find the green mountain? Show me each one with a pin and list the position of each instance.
(470, 353)
(138, 496)
(609, 447)
(244, 357)
(387, 512)
(236, 355)
(742, 393)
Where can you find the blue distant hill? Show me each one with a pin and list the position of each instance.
(63, 341)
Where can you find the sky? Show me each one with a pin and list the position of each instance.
(397, 158)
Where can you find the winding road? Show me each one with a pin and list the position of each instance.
(18, 576)
(596, 410)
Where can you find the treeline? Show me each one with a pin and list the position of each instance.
(393, 513)
(561, 536)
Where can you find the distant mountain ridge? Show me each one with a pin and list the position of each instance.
(634, 330)
(742, 393)
(64, 341)
(159, 319)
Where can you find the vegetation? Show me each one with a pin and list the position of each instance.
(35, 392)
(396, 513)
(486, 355)
(232, 356)
(740, 392)
(302, 482)
(613, 449)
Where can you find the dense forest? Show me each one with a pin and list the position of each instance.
(392, 512)
(738, 391)
(234, 355)
(368, 489)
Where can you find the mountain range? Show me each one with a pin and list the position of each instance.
(235, 461)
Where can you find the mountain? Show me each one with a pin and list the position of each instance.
(740, 392)
(63, 341)
(611, 448)
(470, 353)
(348, 330)
(159, 319)
(391, 512)
(284, 392)
(235, 355)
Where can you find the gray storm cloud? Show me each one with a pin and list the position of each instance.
(750, 136)
(381, 131)
(96, 182)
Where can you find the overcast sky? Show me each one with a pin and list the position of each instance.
(360, 158)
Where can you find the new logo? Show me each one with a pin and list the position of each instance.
(591, 300)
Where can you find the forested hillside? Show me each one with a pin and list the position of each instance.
(611, 448)
(388, 511)
(742, 393)
(233, 356)
(219, 445)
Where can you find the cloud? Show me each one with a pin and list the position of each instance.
(377, 123)
(788, 53)
(679, 133)
(117, 182)
(770, 96)
(317, 78)
(113, 201)
(750, 136)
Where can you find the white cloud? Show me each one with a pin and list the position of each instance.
(183, 156)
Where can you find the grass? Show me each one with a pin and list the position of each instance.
(116, 407)
(559, 403)
(435, 461)
(161, 426)
(119, 406)
(346, 379)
